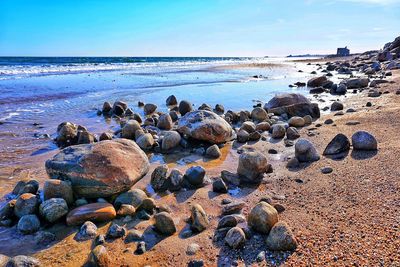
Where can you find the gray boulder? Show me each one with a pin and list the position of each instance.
(305, 151)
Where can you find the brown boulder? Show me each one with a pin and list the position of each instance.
(101, 169)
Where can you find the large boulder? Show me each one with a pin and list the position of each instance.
(101, 169)
(292, 105)
(205, 126)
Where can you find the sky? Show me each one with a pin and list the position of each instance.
(194, 27)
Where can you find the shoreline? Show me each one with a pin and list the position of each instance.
(310, 207)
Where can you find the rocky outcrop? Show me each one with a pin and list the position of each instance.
(101, 169)
(205, 126)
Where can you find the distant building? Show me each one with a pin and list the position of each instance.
(343, 52)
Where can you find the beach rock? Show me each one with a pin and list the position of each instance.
(235, 237)
(145, 141)
(242, 136)
(126, 210)
(185, 107)
(170, 140)
(159, 180)
(281, 238)
(305, 151)
(132, 197)
(164, 223)
(227, 221)
(22, 187)
(252, 166)
(133, 235)
(213, 152)
(101, 169)
(118, 110)
(296, 121)
(292, 133)
(205, 126)
(374, 93)
(67, 134)
(115, 231)
(58, 189)
(232, 208)
(23, 261)
(259, 114)
(195, 175)
(26, 204)
(3, 260)
(121, 104)
(292, 105)
(88, 231)
(317, 90)
(100, 257)
(337, 106)
(219, 109)
(171, 101)
(339, 144)
(278, 131)
(262, 217)
(248, 126)
(192, 249)
(263, 126)
(149, 108)
(84, 137)
(317, 81)
(94, 212)
(175, 180)
(53, 209)
(44, 238)
(165, 122)
(198, 217)
(254, 136)
(105, 136)
(148, 204)
(328, 121)
(219, 186)
(363, 140)
(7, 210)
(230, 178)
(129, 129)
(28, 224)
(355, 83)
(326, 170)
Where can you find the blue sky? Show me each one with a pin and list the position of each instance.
(194, 27)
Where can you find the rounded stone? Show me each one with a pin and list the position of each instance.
(145, 141)
(159, 178)
(58, 189)
(363, 140)
(165, 122)
(281, 238)
(129, 129)
(235, 237)
(94, 212)
(164, 223)
(198, 217)
(278, 131)
(262, 217)
(205, 126)
(252, 166)
(170, 140)
(296, 121)
(213, 152)
(171, 101)
(305, 151)
(259, 114)
(28, 224)
(336, 106)
(149, 108)
(292, 133)
(132, 197)
(53, 209)
(195, 175)
(339, 144)
(185, 107)
(26, 204)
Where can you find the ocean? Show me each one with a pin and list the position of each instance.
(38, 93)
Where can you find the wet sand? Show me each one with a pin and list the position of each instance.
(348, 217)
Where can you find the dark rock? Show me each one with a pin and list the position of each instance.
(363, 140)
(58, 189)
(26, 204)
(195, 175)
(235, 237)
(219, 186)
(164, 223)
(198, 217)
(171, 101)
(88, 231)
(305, 151)
(339, 144)
(132, 197)
(252, 166)
(115, 231)
(159, 180)
(53, 209)
(28, 224)
(326, 170)
(213, 152)
(262, 217)
(184, 107)
(232, 208)
(44, 238)
(337, 106)
(95, 212)
(23, 261)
